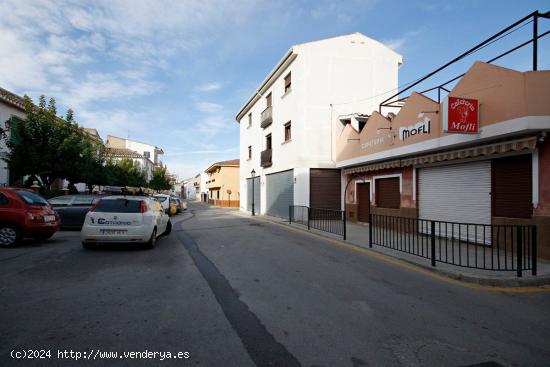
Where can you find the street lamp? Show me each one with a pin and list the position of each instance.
(253, 174)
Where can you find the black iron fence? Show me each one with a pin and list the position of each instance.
(327, 220)
(479, 246)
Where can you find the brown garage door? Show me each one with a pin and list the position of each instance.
(512, 187)
(387, 193)
(324, 188)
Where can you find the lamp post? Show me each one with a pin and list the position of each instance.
(253, 174)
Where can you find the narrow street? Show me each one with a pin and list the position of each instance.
(235, 291)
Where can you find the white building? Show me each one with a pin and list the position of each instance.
(147, 155)
(289, 126)
(199, 185)
(11, 106)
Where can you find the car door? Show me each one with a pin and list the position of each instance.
(61, 205)
(80, 205)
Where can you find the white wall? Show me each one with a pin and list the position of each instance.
(6, 112)
(332, 77)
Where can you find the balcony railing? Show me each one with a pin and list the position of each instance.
(266, 158)
(266, 117)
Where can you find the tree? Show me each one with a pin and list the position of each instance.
(160, 181)
(124, 172)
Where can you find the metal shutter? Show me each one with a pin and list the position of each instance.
(512, 187)
(387, 193)
(257, 203)
(456, 193)
(280, 193)
(324, 188)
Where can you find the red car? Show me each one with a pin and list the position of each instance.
(25, 214)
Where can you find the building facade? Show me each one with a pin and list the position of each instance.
(288, 128)
(11, 106)
(482, 156)
(199, 185)
(147, 155)
(223, 183)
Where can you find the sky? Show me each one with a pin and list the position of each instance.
(175, 73)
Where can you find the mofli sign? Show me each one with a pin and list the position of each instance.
(460, 115)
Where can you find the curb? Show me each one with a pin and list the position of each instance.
(504, 282)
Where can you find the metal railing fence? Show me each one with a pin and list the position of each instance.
(327, 220)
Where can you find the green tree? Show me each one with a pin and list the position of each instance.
(124, 172)
(159, 181)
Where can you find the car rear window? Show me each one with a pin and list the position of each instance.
(174, 201)
(118, 206)
(161, 198)
(31, 198)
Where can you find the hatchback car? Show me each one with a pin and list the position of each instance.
(165, 202)
(134, 219)
(72, 209)
(25, 214)
(178, 203)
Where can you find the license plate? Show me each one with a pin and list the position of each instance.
(113, 231)
(49, 218)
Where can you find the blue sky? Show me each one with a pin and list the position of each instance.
(175, 73)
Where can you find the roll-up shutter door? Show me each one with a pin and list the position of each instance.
(512, 187)
(387, 193)
(279, 193)
(458, 193)
(325, 188)
(257, 203)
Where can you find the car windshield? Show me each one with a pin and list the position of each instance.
(31, 198)
(161, 198)
(174, 201)
(118, 206)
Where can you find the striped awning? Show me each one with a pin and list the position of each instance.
(373, 167)
(529, 143)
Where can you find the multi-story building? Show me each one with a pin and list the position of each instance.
(223, 183)
(289, 126)
(199, 185)
(147, 155)
(11, 107)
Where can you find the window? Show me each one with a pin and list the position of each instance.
(3, 199)
(268, 100)
(250, 119)
(388, 194)
(268, 142)
(288, 135)
(147, 154)
(288, 82)
(250, 152)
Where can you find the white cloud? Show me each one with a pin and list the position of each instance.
(209, 87)
(209, 107)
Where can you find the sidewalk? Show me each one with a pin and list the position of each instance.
(358, 235)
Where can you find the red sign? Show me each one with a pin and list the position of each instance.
(460, 115)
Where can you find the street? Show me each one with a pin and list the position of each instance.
(236, 291)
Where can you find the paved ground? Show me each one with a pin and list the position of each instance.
(233, 291)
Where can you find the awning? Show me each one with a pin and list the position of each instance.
(373, 167)
(529, 143)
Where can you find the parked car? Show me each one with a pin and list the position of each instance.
(180, 204)
(135, 219)
(72, 209)
(166, 203)
(25, 214)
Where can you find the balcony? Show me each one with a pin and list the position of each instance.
(266, 117)
(266, 158)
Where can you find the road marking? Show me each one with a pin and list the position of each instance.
(418, 269)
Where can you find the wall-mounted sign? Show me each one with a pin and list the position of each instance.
(421, 127)
(460, 115)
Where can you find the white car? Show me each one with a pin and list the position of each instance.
(135, 219)
(165, 201)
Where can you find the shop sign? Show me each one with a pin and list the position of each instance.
(421, 127)
(372, 143)
(460, 115)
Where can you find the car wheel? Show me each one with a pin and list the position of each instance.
(153, 240)
(168, 228)
(43, 237)
(88, 245)
(10, 235)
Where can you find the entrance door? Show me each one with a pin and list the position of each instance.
(363, 199)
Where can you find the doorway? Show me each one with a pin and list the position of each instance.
(363, 200)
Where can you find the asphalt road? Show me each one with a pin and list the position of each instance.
(232, 291)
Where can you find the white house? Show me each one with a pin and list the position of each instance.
(199, 185)
(289, 126)
(11, 106)
(147, 155)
